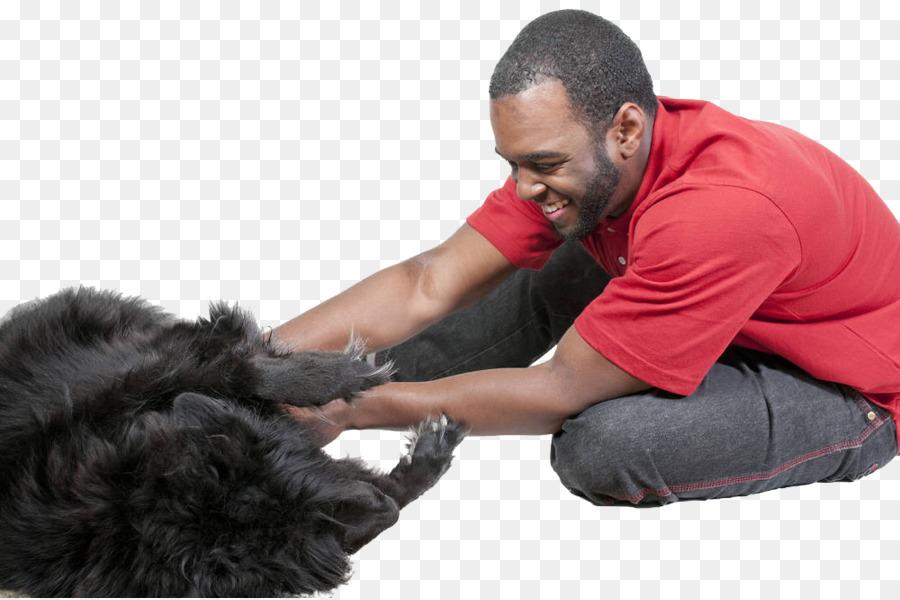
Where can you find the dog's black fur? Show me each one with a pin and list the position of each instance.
(141, 455)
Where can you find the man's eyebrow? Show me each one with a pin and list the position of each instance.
(537, 156)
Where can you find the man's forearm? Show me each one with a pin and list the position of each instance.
(528, 401)
(377, 310)
(395, 304)
(532, 400)
(491, 402)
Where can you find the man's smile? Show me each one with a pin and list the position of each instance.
(550, 209)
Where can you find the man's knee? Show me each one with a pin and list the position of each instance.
(603, 455)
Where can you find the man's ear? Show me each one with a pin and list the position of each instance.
(628, 128)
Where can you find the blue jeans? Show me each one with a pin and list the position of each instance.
(756, 422)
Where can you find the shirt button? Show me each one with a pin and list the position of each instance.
(610, 229)
(871, 415)
(622, 260)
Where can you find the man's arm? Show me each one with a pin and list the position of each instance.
(532, 400)
(394, 304)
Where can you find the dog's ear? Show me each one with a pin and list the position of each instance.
(192, 409)
(365, 512)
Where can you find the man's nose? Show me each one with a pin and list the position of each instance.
(529, 186)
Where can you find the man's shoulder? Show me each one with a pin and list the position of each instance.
(703, 145)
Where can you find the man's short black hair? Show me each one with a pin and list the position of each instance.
(600, 67)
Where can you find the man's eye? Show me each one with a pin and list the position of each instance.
(543, 167)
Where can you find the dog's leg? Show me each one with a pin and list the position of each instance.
(430, 453)
(263, 369)
(372, 510)
(315, 378)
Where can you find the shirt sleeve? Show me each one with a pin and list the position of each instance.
(518, 229)
(702, 262)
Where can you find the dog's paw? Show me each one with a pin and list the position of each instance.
(435, 438)
(363, 376)
(315, 378)
(430, 451)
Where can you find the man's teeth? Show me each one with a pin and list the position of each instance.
(552, 208)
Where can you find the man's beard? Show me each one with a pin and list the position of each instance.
(596, 198)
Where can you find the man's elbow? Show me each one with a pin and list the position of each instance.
(426, 304)
(581, 386)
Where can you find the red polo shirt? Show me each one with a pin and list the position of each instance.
(742, 233)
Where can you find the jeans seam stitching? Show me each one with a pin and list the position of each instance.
(719, 483)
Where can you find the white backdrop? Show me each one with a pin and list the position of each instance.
(273, 155)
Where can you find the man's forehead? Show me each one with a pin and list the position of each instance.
(534, 126)
(543, 109)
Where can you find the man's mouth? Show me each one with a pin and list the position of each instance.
(549, 209)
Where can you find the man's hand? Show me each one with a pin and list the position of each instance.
(322, 424)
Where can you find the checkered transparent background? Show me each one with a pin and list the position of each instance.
(274, 153)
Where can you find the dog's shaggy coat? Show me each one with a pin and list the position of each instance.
(141, 455)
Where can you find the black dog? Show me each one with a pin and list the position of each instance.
(141, 455)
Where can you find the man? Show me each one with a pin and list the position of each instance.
(740, 336)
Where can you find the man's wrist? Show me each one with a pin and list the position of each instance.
(378, 408)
